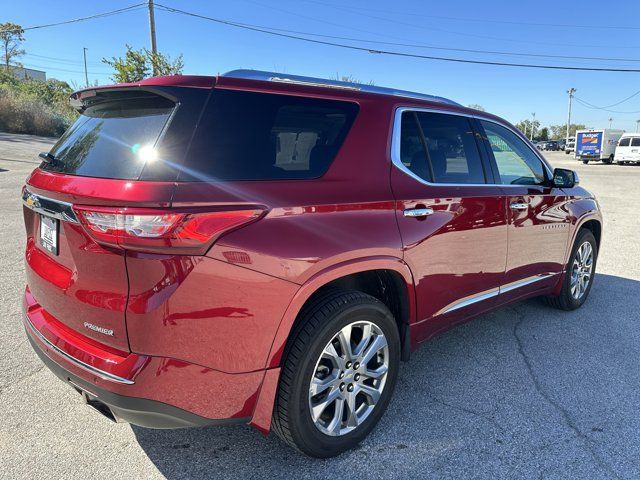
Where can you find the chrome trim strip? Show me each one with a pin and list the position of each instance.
(79, 363)
(465, 302)
(395, 148)
(38, 203)
(479, 297)
(526, 281)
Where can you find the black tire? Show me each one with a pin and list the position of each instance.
(319, 323)
(585, 161)
(566, 301)
(608, 161)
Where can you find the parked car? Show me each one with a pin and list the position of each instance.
(264, 248)
(562, 143)
(594, 145)
(550, 145)
(570, 146)
(628, 149)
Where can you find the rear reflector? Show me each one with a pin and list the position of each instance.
(161, 231)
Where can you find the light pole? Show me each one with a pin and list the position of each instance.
(86, 76)
(571, 91)
(152, 34)
(610, 121)
(637, 125)
(533, 125)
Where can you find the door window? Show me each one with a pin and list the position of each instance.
(451, 149)
(624, 142)
(440, 148)
(517, 163)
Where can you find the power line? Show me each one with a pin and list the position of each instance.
(90, 17)
(388, 52)
(481, 20)
(66, 61)
(435, 47)
(40, 67)
(433, 28)
(588, 105)
(613, 104)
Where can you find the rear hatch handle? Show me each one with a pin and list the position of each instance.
(49, 206)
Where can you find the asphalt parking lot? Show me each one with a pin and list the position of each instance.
(524, 392)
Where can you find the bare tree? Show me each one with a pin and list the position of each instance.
(11, 37)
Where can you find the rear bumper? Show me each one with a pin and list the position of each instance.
(121, 408)
(149, 391)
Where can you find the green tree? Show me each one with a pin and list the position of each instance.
(525, 126)
(137, 65)
(560, 131)
(11, 37)
(543, 134)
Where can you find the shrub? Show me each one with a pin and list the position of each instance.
(21, 113)
(34, 107)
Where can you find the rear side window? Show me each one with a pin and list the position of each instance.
(624, 142)
(257, 136)
(113, 137)
(635, 142)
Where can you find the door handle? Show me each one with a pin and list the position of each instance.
(417, 212)
(519, 206)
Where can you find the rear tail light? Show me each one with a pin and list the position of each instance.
(161, 231)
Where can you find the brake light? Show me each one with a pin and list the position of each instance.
(161, 231)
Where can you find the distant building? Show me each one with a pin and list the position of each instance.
(26, 73)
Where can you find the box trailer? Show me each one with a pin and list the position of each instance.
(597, 144)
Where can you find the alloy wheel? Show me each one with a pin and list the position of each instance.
(348, 378)
(581, 270)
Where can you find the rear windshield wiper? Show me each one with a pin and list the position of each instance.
(47, 157)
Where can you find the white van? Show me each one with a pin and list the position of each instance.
(628, 149)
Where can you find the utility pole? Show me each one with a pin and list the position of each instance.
(571, 91)
(86, 76)
(533, 125)
(610, 121)
(637, 125)
(152, 32)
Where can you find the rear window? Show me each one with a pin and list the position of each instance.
(114, 137)
(624, 142)
(257, 136)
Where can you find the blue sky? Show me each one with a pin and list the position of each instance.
(513, 93)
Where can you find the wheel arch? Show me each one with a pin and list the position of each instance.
(388, 279)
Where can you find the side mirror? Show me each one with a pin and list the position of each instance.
(564, 178)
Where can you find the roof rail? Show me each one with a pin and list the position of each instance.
(323, 82)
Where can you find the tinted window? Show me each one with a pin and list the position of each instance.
(412, 150)
(624, 142)
(256, 136)
(517, 164)
(451, 148)
(113, 137)
(635, 142)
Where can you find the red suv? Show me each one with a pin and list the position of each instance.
(265, 249)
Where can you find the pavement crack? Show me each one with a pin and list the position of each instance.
(564, 414)
(485, 416)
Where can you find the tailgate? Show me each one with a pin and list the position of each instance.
(118, 154)
(77, 282)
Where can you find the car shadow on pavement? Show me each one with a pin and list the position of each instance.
(526, 390)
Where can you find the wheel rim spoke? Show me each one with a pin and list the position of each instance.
(349, 378)
(581, 271)
(379, 342)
